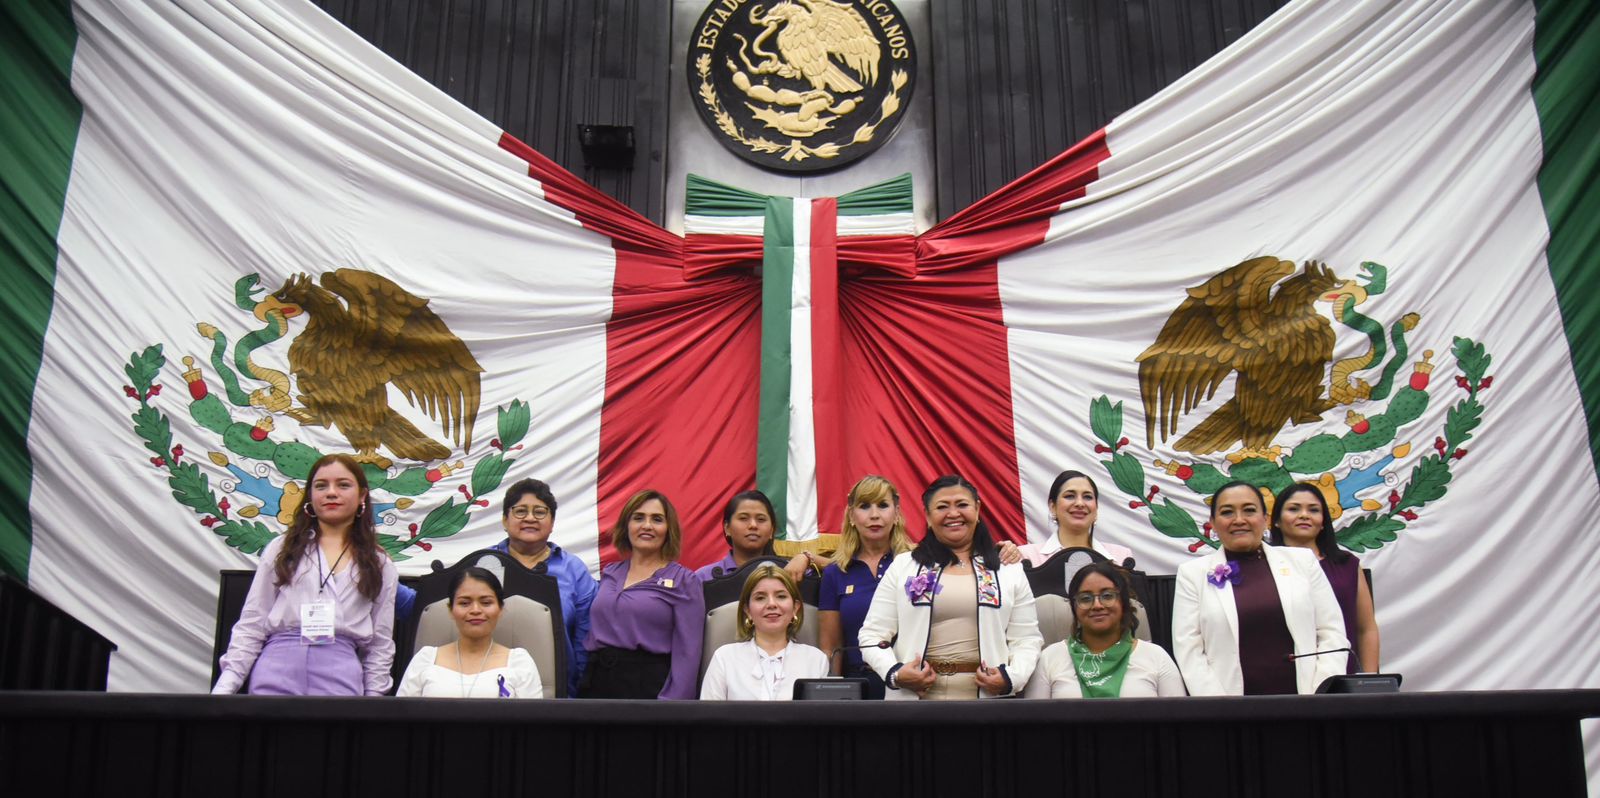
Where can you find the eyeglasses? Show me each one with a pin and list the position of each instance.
(537, 513)
(1087, 600)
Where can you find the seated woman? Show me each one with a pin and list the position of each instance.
(1301, 519)
(1102, 659)
(1240, 613)
(872, 534)
(319, 617)
(474, 666)
(765, 665)
(960, 625)
(1074, 502)
(748, 525)
(528, 515)
(647, 619)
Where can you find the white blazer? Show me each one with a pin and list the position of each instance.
(1008, 628)
(1205, 622)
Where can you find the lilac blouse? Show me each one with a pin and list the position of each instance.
(270, 608)
(663, 614)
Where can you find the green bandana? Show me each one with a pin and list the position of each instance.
(1100, 675)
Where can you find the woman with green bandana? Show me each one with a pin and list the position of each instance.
(1102, 659)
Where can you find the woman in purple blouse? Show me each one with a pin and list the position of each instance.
(1300, 518)
(319, 617)
(647, 619)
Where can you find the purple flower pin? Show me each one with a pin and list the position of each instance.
(1225, 573)
(924, 585)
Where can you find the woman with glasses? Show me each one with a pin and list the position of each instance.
(1254, 619)
(958, 623)
(1102, 659)
(528, 514)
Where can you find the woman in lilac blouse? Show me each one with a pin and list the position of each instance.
(647, 619)
(319, 617)
(1300, 518)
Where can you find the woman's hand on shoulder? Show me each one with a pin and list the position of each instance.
(1010, 554)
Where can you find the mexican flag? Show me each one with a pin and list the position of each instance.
(1354, 249)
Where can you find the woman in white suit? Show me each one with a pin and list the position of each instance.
(1241, 612)
(961, 625)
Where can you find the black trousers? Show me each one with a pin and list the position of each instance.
(625, 673)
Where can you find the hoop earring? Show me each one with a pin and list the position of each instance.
(797, 621)
(307, 508)
(747, 627)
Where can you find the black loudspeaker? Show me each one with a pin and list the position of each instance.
(607, 146)
(846, 689)
(1360, 683)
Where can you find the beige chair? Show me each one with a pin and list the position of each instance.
(722, 610)
(531, 619)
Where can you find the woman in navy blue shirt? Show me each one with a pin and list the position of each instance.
(872, 534)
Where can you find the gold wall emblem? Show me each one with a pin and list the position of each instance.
(802, 85)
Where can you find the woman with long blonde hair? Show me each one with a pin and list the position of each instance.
(872, 533)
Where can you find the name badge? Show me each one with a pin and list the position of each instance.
(316, 623)
(667, 583)
(848, 589)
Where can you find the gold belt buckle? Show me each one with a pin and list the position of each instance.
(950, 667)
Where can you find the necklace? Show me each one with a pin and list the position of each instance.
(466, 689)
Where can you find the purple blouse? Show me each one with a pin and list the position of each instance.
(1345, 581)
(664, 614)
(270, 608)
(709, 572)
(1264, 636)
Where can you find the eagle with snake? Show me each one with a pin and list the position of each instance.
(1250, 322)
(352, 351)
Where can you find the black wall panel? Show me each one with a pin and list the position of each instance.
(1014, 81)
(1017, 81)
(540, 68)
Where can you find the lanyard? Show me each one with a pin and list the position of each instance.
(322, 581)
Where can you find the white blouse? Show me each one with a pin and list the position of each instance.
(518, 678)
(743, 672)
(1151, 673)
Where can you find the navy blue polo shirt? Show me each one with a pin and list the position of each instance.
(849, 593)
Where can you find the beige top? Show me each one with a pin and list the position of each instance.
(954, 633)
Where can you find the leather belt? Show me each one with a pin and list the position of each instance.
(947, 667)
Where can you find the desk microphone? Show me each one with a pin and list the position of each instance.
(842, 649)
(1293, 657)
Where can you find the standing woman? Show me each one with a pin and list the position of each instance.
(749, 524)
(474, 666)
(1241, 612)
(960, 624)
(319, 617)
(1303, 521)
(528, 515)
(1102, 659)
(768, 661)
(1074, 502)
(646, 622)
(872, 534)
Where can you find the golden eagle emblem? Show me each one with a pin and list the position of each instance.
(1252, 323)
(352, 351)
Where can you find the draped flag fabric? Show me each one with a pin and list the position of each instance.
(1355, 248)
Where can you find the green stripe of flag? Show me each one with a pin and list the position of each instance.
(1567, 95)
(39, 119)
(890, 196)
(777, 281)
(704, 197)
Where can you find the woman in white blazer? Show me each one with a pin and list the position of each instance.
(948, 621)
(1240, 612)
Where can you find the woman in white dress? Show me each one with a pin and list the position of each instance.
(474, 666)
(1102, 659)
(767, 661)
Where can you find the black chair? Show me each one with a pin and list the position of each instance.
(722, 608)
(531, 619)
